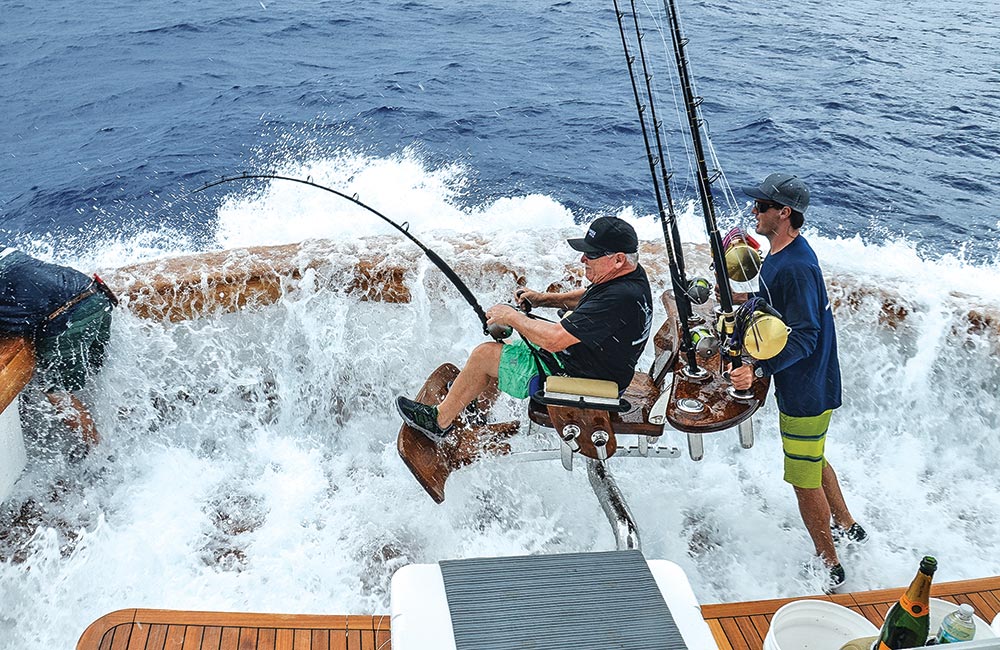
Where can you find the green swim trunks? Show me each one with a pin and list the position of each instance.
(517, 369)
(65, 361)
(803, 441)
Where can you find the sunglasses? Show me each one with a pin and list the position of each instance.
(597, 256)
(764, 206)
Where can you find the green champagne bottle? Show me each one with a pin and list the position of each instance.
(907, 624)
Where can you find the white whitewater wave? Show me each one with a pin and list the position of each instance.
(249, 460)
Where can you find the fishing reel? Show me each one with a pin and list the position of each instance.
(698, 290)
(742, 255)
(705, 341)
(758, 330)
(501, 332)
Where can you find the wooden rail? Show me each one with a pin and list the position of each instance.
(17, 364)
(735, 626)
(162, 629)
(742, 626)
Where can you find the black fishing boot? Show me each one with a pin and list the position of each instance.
(853, 535)
(423, 418)
(836, 580)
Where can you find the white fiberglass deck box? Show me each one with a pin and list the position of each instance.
(421, 619)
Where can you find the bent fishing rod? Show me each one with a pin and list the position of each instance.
(668, 218)
(404, 228)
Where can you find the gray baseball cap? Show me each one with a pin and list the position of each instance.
(785, 189)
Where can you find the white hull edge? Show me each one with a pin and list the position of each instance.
(12, 454)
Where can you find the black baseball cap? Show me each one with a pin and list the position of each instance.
(785, 189)
(607, 235)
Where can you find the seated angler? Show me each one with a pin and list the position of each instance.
(602, 338)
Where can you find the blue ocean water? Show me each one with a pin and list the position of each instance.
(113, 109)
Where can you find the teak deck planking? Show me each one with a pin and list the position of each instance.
(735, 626)
(162, 629)
(742, 626)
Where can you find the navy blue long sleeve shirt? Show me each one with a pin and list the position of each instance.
(807, 371)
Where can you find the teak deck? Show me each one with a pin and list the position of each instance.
(163, 629)
(736, 626)
(742, 626)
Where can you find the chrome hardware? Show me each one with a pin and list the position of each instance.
(570, 433)
(746, 433)
(600, 440)
(741, 395)
(613, 504)
(569, 445)
(690, 405)
(698, 373)
(696, 446)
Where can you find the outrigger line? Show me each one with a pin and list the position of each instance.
(404, 228)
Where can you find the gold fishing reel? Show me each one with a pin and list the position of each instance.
(765, 336)
(742, 261)
(759, 334)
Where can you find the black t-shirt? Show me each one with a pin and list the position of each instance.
(612, 321)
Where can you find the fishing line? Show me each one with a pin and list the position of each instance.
(691, 103)
(404, 228)
(731, 201)
(668, 218)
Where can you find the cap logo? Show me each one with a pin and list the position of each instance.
(591, 233)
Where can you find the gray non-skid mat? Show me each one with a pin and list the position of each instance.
(576, 601)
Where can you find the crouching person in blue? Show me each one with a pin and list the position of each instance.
(67, 316)
(602, 338)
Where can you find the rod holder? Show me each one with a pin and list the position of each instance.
(569, 445)
(570, 433)
(742, 395)
(600, 440)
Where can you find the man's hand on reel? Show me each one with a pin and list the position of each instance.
(500, 320)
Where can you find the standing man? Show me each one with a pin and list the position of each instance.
(807, 372)
(601, 339)
(67, 316)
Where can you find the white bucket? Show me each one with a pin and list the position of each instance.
(815, 625)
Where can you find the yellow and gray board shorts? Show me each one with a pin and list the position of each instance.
(803, 441)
